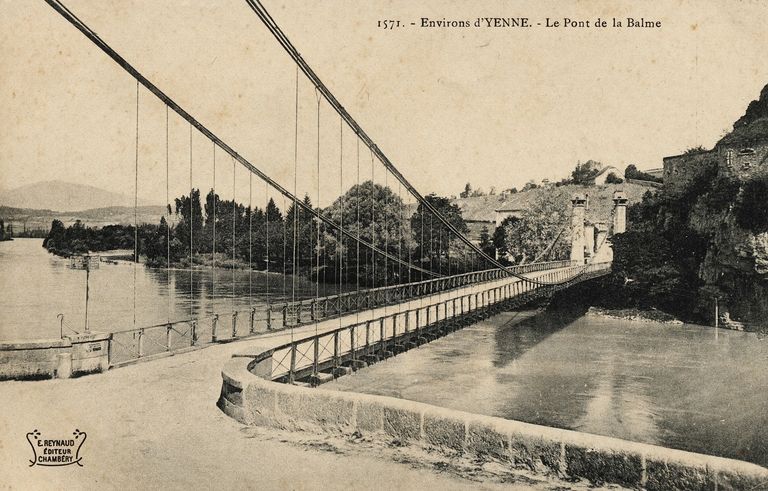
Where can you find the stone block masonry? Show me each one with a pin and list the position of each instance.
(60, 358)
(253, 400)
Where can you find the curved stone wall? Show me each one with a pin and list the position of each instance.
(253, 400)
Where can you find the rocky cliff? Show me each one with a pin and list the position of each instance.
(736, 261)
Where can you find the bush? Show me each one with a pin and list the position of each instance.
(612, 178)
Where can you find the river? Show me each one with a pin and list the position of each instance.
(677, 386)
(37, 286)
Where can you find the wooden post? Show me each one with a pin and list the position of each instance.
(269, 317)
(193, 328)
(252, 327)
(292, 368)
(168, 329)
(141, 343)
(381, 334)
(316, 355)
(214, 328)
(367, 336)
(352, 341)
(336, 349)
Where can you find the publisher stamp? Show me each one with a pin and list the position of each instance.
(56, 452)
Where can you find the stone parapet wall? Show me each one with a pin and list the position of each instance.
(255, 401)
(62, 358)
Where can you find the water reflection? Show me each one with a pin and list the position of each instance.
(672, 385)
(37, 286)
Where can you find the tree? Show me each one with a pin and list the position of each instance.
(544, 223)
(379, 216)
(612, 178)
(499, 238)
(631, 172)
(530, 185)
(190, 226)
(585, 173)
(467, 191)
(485, 242)
(435, 242)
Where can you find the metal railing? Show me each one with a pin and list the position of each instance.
(147, 342)
(314, 309)
(384, 336)
(132, 344)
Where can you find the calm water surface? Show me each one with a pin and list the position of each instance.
(671, 385)
(36, 286)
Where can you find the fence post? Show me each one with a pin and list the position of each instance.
(234, 324)
(367, 336)
(252, 327)
(285, 315)
(292, 368)
(381, 334)
(109, 349)
(168, 337)
(214, 326)
(352, 339)
(269, 317)
(315, 355)
(298, 313)
(312, 308)
(141, 343)
(335, 349)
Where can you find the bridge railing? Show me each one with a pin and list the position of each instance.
(368, 340)
(314, 309)
(134, 344)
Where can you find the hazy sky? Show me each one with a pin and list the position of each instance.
(494, 107)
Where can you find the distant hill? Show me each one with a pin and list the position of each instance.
(32, 219)
(63, 196)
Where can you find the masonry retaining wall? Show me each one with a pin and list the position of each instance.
(255, 401)
(62, 358)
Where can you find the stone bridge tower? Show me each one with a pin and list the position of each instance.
(589, 241)
(579, 203)
(619, 212)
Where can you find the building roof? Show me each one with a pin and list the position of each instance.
(483, 208)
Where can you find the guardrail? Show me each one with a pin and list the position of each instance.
(368, 341)
(314, 309)
(133, 344)
(147, 342)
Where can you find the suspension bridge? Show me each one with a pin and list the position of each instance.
(403, 270)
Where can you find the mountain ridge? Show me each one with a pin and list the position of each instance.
(61, 196)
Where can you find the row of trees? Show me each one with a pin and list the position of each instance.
(233, 235)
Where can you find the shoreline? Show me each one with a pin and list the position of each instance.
(634, 314)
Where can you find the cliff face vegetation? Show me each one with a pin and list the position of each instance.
(706, 240)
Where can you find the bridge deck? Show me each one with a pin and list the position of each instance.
(335, 340)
